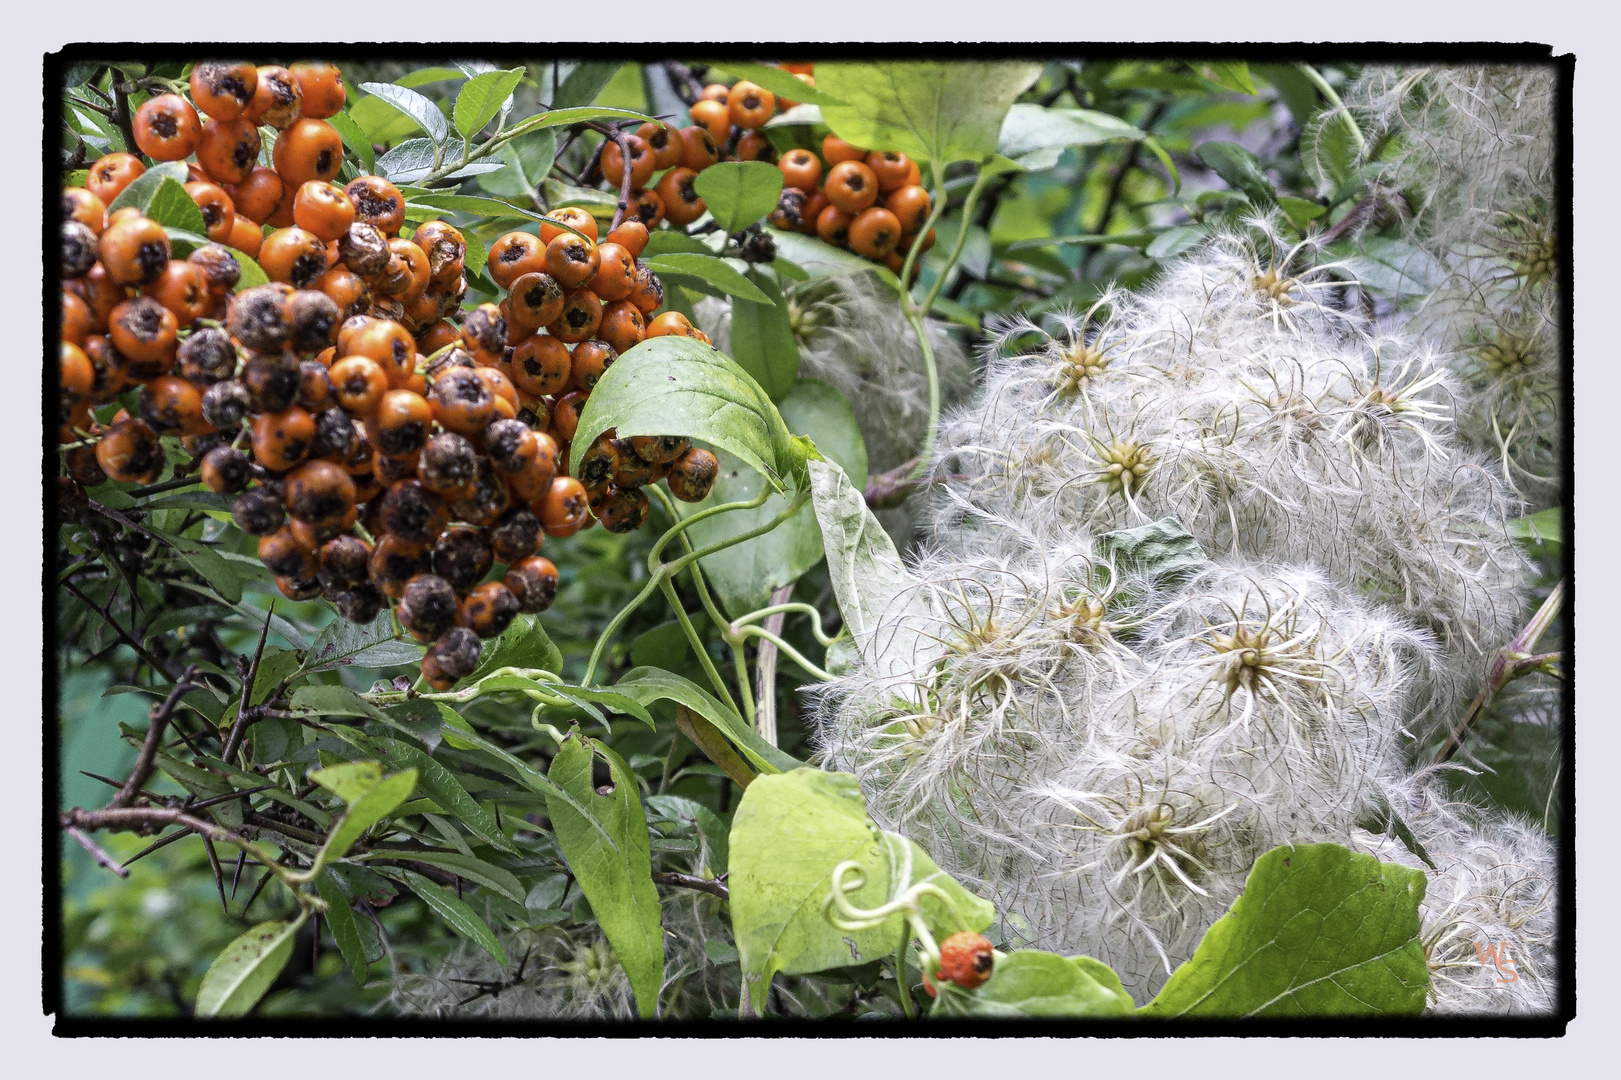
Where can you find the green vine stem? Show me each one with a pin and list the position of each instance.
(1337, 105)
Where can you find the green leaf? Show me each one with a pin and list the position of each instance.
(678, 386)
(822, 260)
(502, 881)
(668, 241)
(523, 644)
(240, 975)
(334, 701)
(456, 914)
(340, 919)
(866, 572)
(1033, 983)
(355, 138)
(1300, 211)
(739, 193)
(372, 806)
(781, 83)
(173, 207)
(1175, 240)
(1239, 168)
(482, 97)
(702, 820)
(477, 204)
(582, 85)
(1328, 150)
(140, 191)
(790, 832)
(1544, 526)
(1163, 549)
(1318, 931)
(349, 781)
(208, 563)
(708, 269)
(579, 115)
(934, 111)
(618, 884)
(663, 646)
(373, 645)
(1036, 137)
(441, 785)
(650, 684)
(745, 574)
(428, 75)
(252, 273)
(762, 337)
(528, 159)
(1229, 75)
(381, 122)
(412, 104)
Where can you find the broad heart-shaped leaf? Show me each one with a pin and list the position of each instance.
(414, 105)
(240, 975)
(1319, 930)
(1163, 549)
(739, 193)
(1034, 983)
(678, 386)
(822, 260)
(934, 111)
(788, 835)
(482, 97)
(371, 806)
(372, 645)
(457, 914)
(139, 192)
(340, 919)
(709, 270)
(1239, 168)
(650, 684)
(1036, 137)
(523, 644)
(762, 337)
(619, 884)
(745, 574)
(781, 83)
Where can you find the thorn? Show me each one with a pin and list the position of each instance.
(256, 890)
(164, 841)
(315, 940)
(219, 874)
(241, 857)
(497, 817)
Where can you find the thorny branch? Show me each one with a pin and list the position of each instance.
(159, 715)
(713, 887)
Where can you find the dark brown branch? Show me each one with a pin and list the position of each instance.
(617, 134)
(122, 117)
(234, 739)
(687, 881)
(159, 716)
(128, 639)
(684, 82)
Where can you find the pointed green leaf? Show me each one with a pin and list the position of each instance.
(441, 785)
(762, 337)
(141, 190)
(473, 869)
(240, 975)
(414, 105)
(1036, 137)
(457, 915)
(650, 684)
(482, 97)
(340, 919)
(375, 644)
(367, 810)
(739, 193)
(618, 884)
(708, 269)
(355, 138)
(1240, 168)
(935, 111)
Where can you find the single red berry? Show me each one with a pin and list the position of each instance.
(966, 959)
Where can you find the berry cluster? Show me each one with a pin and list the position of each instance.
(872, 203)
(382, 453)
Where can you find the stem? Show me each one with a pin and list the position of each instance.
(697, 642)
(926, 456)
(740, 662)
(765, 666)
(908, 1006)
(822, 637)
(1327, 91)
(787, 650)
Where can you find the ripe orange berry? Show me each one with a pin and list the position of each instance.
(669, 323)
(874, 232)
(134, 251)
(800, 169)
(219, 211)
(378, 203)
(615, 272)
(111, 174)
(648, 293)
(664, 141)
(851, 186)
(282, 440)
(910, 205)
(130, 452)
(582, 314)
(575, 218)
(682, 204)
(358, 384)
(541, 365)
(278, 100)
(613, 162)
(836, 150)
(630, 235)
(515, 254)
(698, 150)
(563, 507)
(573, 261)
(166, 128)
(692, 474)
(416, 264)
(833, 226)
(753, 146)
(534, 582)
(324, 209)
(308, 150)
(79, 204)
(966, 959)
(321, 86)
(714, 117)
(892, 168)
(259, 195)
(588, 363)
(183, 289)
(750, 106)
(623, 325)
(294, 256)
(228, 149)
(386, 342)
(246, 237)
(222, 89)
(78, 376)
(645, 207)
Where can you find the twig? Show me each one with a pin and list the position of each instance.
(765, 667)
(687, 881)
(1511, 662)
(234, 739)
(617, 134)
(159, 716)
(219, 872)
(140, 650)
(892, 488)
(125, 127)
(685, 83)
(95, 851)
